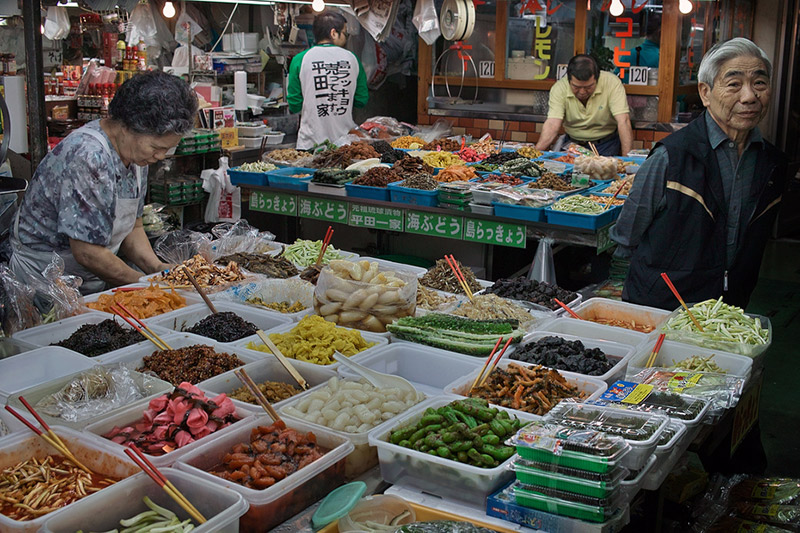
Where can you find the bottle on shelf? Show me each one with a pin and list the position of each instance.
(120, 58)
(128, 58)
(142, 51)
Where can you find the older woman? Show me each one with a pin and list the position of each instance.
(703, 204)
(86, 197)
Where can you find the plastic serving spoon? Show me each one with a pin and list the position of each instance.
(378, 379)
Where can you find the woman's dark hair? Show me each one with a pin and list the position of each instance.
(154, 103)
(325, 22)
(582, 67)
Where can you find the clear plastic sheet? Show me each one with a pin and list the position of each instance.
(57, 295)
(722, 390)
(17, 309)
(178, 246)
(94, 392)
(238, 237)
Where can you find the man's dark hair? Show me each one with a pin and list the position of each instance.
(327, 21)
(582, 67)
(154, 103)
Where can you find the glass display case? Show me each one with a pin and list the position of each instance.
(539, 37)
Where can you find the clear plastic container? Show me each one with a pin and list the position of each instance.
(150, 387)
(484, 193)
(378, 340)
(100, 457)
(702, 339)
(272, 291)
(10, 347)
(590, 512)
(429, 369)
(133, 413)
(603, 308)
(133, 357)
(629, 487)
(529, 474)
(38, 366)
(48, 334)
(364, 455)
(9, 424)
(386, 265)
(435, 475)
(672, 352)
(691, 411)
(380, 509)
(565, 325)
(274, 505)
(220, 506)
(190, 297)
(269, 369)
(667, 454)
(592, 388)
(617, 354)
(580, 449)
(187, 317)
(641, 430)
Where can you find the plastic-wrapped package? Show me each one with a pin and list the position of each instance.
(17, 310)
(94, 392)
(722, 390)
(178, 246)
(238, 237)
(56, 293)
(440, 128)
(438, 526)
(427, 21)
(597, 167)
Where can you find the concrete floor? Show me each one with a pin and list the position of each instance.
(777, 296)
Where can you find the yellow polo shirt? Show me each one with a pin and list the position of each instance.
(595, 120)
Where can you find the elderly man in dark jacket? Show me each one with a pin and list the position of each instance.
(703, 204)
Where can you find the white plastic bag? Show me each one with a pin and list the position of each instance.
(181, 56)
(426, 21)
(142, 25)
(56, 25)
(225, 199)
(186, 27)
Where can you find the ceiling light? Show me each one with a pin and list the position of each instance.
(169, 10)
(616, 8)
(685, 6)
(318, 5)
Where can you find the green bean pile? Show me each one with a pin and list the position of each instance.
(720, 322)
(698, 363)
(258, 166)
(578, 204)
(304, 253)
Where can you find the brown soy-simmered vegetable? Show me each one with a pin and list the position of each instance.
(96, 339)
(192, 364)
(441, 277)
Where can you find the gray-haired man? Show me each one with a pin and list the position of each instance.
(703, 204)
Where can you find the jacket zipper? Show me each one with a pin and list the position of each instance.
(725, 282)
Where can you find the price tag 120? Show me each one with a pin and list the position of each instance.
(638, 75)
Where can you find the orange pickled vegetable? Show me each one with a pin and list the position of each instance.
(144, 303)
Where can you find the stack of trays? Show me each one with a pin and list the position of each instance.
(455, 195)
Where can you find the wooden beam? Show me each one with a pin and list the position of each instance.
(424, 74)
(687, 89)
(579, 46)
(501, 28)
(543, 85)
(669, 59)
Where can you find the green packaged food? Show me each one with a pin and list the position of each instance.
(530, 475)
(584, 511)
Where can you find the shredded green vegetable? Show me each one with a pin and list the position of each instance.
(578, 204)
(304, 253)
(721, 322)
(156, 520)
(258, 166)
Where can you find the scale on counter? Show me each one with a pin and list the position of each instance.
(457, 22)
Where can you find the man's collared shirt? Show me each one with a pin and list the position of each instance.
(592, 121)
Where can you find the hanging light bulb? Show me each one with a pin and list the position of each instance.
(616, 8)
(169, 10)
(685, 6)
(318, 5)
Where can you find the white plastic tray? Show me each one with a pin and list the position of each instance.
(666, 456)
(133, 356)
(614, 309)
(189, 316)
(271, 291)
(630, 487)
(98, 456)
(734, 364)
(190, 298)
(133, 413)
(38, 366)
(433, 474)
(265, 370)
(305, 486)
(378, 338)
(47, 334)
(10, 424)
(220, 506)
(151, 387)
(621, 353)
(429, 369)
(590, 330)
(10, 347)
(592, 387)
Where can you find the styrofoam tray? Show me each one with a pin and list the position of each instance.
(734, 364)
(189, 316)
(133, 413)
(613, 350)
(132, 357)
(378, 339)
(38, 366)
(190, 298)
(269, 369)
(436, 475)
(48, 334)
(199, 461)
(271, 291)
(429, 369)
(592, 387)
(566, 325)
(220, 506)
(98, 456)
(614, 309)
(149, 385)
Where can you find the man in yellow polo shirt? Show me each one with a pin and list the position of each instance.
(592, 107)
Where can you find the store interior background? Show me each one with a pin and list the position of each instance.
(775, 29)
